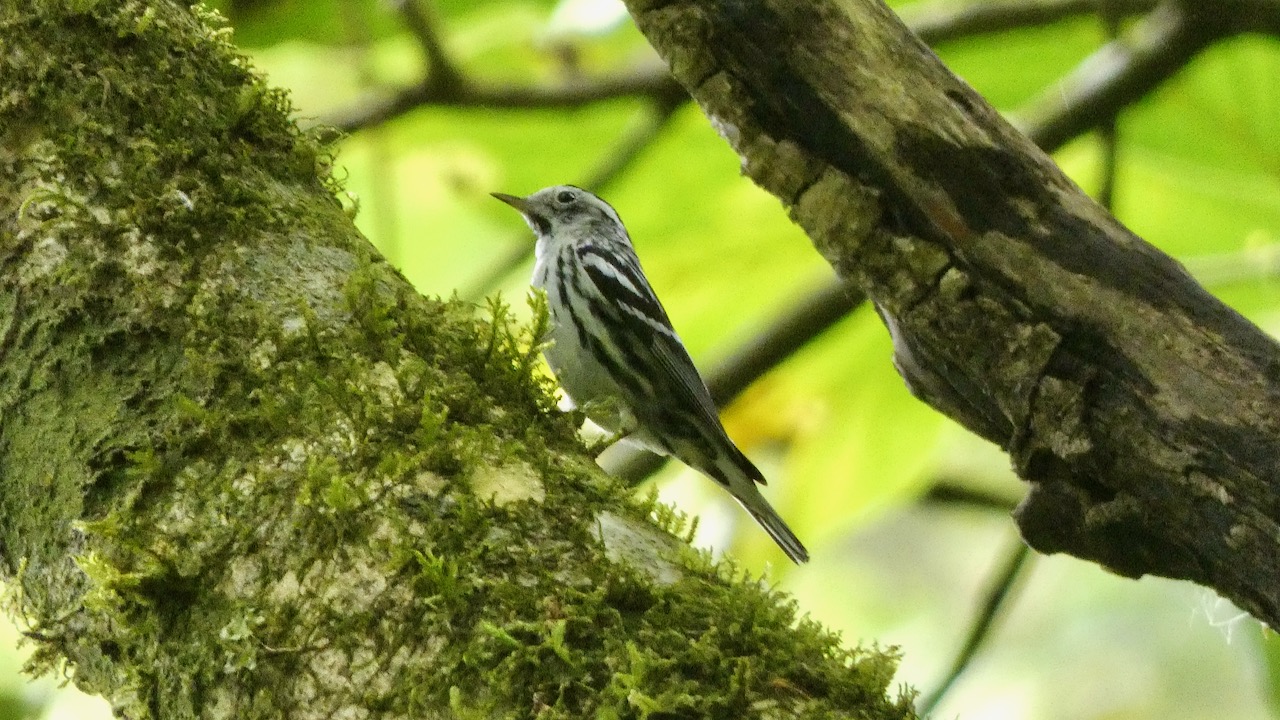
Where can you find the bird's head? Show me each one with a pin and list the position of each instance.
(564, 213)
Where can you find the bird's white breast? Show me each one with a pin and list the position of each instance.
(584, 379)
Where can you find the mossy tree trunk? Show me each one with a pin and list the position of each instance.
(246, 471)
(1143, 413)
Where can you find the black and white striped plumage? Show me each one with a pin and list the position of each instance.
(616, 355)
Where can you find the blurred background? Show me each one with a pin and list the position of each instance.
(1173, 125)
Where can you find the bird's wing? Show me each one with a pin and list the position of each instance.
(678, 366)
(640, 314)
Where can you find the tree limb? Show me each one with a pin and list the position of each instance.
(1140, 410)
(794, 327)
(247, 471)
(1051, 128)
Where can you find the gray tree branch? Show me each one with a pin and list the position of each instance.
(1140, 410)
(794, 327)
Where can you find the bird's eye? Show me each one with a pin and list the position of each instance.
(564, 197)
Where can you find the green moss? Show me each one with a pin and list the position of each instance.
(247, 469)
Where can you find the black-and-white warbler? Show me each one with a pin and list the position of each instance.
(617, 357)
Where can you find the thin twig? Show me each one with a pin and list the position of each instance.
(786, 333)
(1108, 132)
(942, 22)
(999, 592)
(442, 74)
(648, 80)
(1115, 76)
(954, 492)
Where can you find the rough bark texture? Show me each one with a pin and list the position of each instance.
(1143, 413)
(246, 471)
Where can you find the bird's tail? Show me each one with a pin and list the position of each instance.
(777, 529)
(743, 485)
(742, 479)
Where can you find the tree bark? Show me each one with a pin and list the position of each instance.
(246, 471)
(1142, 412)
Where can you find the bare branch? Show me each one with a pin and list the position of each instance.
(1108, 132)
(998, 594)
(1115, 76)
(813, 313)
(650, 80)
(955, 492)
(942, 22)
(442, 74)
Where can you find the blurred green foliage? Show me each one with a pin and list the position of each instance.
(847, 450)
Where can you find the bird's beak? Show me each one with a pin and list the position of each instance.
(539, 224)
(518, 203)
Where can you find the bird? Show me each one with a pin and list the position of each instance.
(615, 354)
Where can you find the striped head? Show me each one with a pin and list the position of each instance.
(564, 214)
